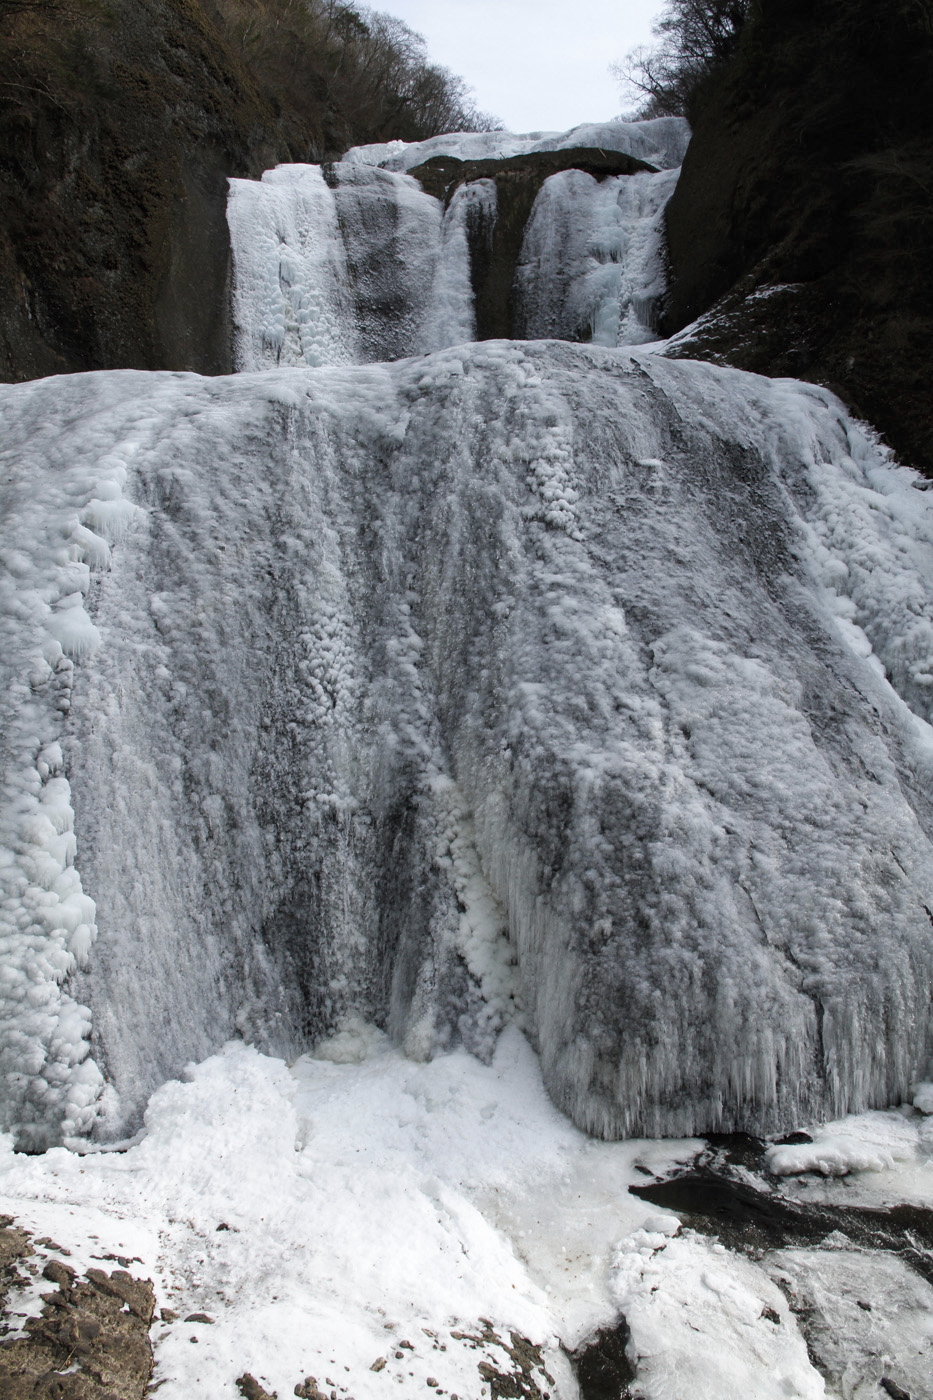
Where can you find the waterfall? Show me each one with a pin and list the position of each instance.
(354, 263)
(451, 684)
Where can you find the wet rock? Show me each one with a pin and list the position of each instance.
(250, 1389)
(754, 1220)
(308, 1390)
(59, 1273)
(513, 1370)
(800, 226)
(601, 1364)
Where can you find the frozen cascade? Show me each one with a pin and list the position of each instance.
(359, 267)
(292, 302)
(367, 666)
(591, 266)
(353, 263)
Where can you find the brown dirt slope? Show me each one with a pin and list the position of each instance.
(802, 226)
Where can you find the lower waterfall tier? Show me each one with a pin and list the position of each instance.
(540, 683)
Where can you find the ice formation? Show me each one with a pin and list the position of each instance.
(562, 685)
(592, 264)
(661, 142)
(353, 263)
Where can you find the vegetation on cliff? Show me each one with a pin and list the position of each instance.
(694, 39)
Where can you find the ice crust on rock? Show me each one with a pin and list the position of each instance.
(359, 267)
(57, 539)
(592, 262)
(534, 636)
(661, 142)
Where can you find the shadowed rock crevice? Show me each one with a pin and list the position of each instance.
(601, 1365)
(748, 1219)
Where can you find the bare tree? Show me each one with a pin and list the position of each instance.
(694, 38)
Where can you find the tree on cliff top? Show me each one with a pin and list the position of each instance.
(694, 38)
(370, 68)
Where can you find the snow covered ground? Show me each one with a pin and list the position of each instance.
(325, 1214)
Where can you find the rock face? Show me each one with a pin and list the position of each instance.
(801, 226)
(118, 138)
(91, 1339)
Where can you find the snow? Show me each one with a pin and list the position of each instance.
(367, 1199)
(321, 1215)
(707, 1323)
(870, 1142)
(661, 142)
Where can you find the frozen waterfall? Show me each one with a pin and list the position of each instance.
(353, 263)
(450, 685)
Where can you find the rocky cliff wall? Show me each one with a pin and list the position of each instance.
(117, 135)
(801, 227)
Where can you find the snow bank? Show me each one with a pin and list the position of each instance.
(322, 1216)
(707, 1323)
(504, 683)
(869, 1142)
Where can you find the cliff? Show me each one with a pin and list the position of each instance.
(120, 121)
(801, 227)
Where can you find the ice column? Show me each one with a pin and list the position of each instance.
(291, 303)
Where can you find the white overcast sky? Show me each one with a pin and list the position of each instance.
(537, 64)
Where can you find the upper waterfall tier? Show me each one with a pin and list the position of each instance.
(522, 681)
(530, 237)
